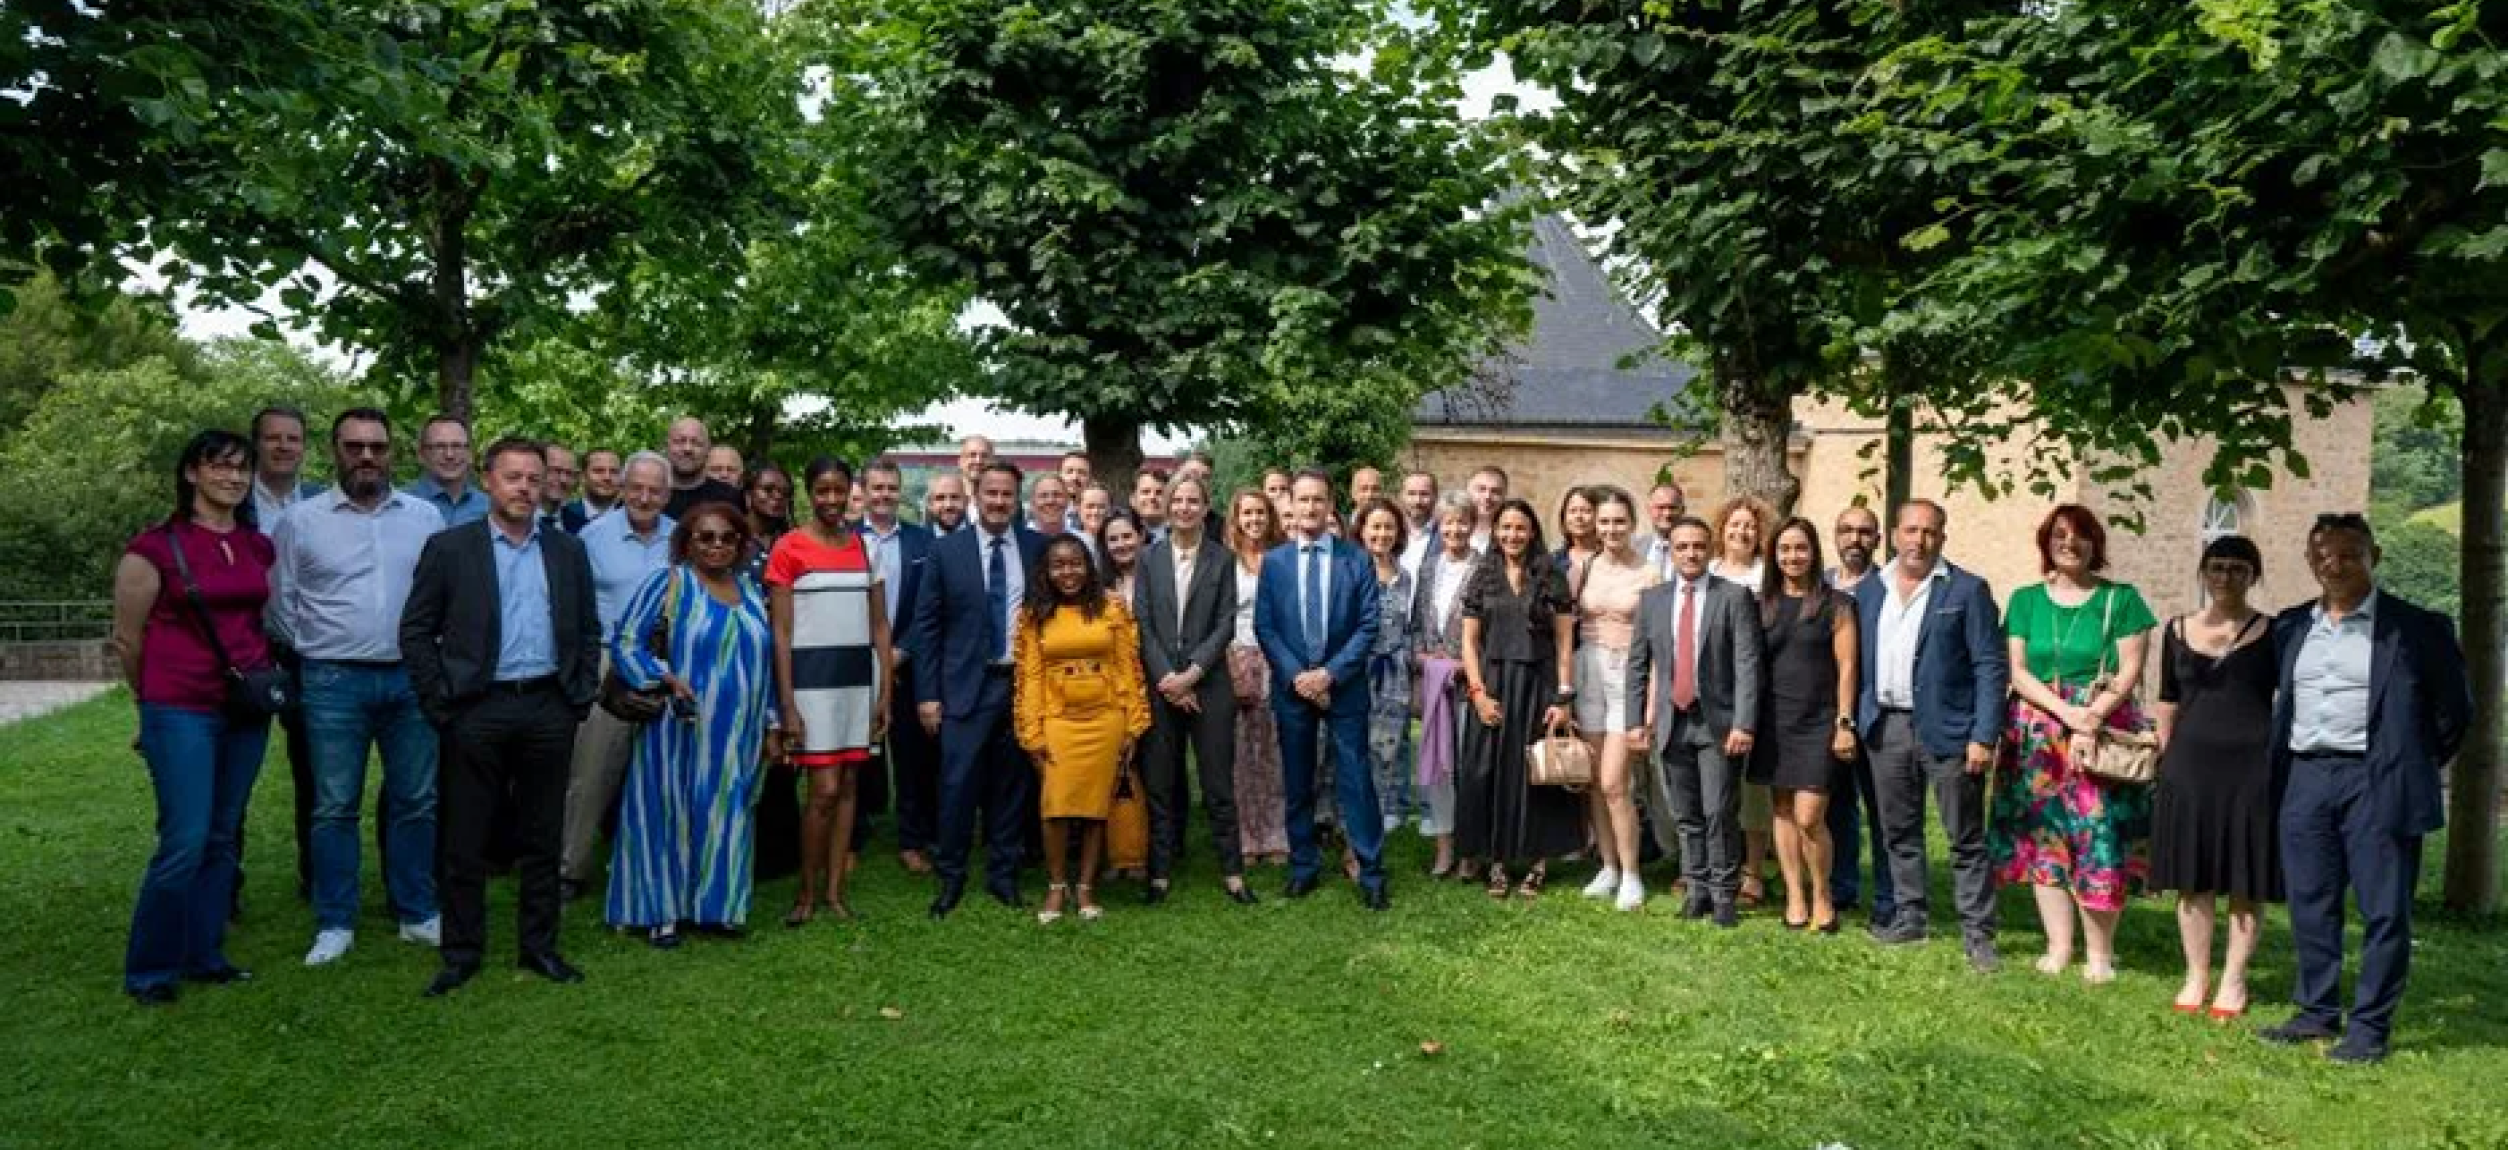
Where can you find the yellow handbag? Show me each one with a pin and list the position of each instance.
(1127, 824)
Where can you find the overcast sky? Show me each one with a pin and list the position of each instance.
(966, 416)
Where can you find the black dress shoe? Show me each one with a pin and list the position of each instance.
(162, 994)
(551, 967)
(1156, 894)
(1299, 888)
(223, 976)
(1726, 916)
(1242, 895)
(568, 890)
(1697, 906)
(1376, 899)
(946, 898)
(2354, 1050)
(662, 940)
(2297, 1031)
(450, 979)
(1006, 894)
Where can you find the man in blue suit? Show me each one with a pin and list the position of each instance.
(960, 665)
(898, 551)
(1315, 615)
(1929, 709)
(2373, 703)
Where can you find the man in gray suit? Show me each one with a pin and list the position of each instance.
(1700, 709)
(1186, 601)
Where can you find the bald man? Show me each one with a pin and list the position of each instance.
(689, 446)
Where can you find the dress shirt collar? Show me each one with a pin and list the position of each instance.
(2366, 612)
(988, 538)
(497, 532)
(1304, 542)
(391, 501)
(872, 529)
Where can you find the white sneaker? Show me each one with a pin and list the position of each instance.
(1632, 894)
(1603, 884)
(428, 933)
(329, 947)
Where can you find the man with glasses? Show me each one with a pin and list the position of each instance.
(345, 562)
(1858, 536)
(2372, 705)
(625, 547)
(1665, 505)
(563, 473)
(444, 454)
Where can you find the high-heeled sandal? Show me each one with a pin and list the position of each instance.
(1497, 887)
(1089, 910)
(1530, 888)
(799, 916)
(1051, 914)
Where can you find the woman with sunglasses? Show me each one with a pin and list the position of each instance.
(2215, 826)
(832, 656)
(682, 854)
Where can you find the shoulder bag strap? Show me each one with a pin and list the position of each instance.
(2107, 616)
(191, 595)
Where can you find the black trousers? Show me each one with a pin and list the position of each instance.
(913, 761)
(1212, 736)
(509, 748)
(982, 766)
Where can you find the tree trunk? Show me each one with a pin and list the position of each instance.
(1758, 425)
(757, 439)
(459, 340)
(1114, 446)
(1898, 451)
(2472, 875)
(456, 373)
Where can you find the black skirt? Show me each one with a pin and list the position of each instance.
(1498, 814)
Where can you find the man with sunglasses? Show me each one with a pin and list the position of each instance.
(345, 561)
(2372, 704)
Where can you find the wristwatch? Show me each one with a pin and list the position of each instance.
(1846, 722)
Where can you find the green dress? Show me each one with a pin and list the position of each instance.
(2052, 825)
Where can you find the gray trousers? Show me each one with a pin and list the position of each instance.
(603, 744)
(1901, 769)
(1701, 792)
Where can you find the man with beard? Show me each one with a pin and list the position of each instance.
(945, 504)
(602, 472)
(690, 450)
(1857, 533)
(345, 562)
(1419, 514)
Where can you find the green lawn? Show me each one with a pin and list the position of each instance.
(1199, 1024)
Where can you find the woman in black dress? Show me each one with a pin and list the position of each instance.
(2219, 806)
(1812, 661)
(767, 492)
(1519, 635)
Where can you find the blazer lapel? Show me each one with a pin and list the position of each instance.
(2387, 634)
(486, 537)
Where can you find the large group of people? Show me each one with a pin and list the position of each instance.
(550, 651)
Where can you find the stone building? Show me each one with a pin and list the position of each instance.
(1585, 399)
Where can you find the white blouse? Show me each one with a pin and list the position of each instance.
(1247, 583)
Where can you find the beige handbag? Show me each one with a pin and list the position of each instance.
(1560, 759)
(2119, 756)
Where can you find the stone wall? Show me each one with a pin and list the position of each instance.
(84, 661)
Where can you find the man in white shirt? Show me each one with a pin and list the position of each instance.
(1419, 514)
(1488, 490)
(1696, 694)
(1665, 505)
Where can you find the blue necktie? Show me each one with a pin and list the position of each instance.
(997, 602)
(1315, 601)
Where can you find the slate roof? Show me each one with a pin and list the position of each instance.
(1567, 373)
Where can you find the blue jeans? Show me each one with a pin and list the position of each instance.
(349, 709)
(203, 766)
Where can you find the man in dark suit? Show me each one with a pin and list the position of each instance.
(964, 616)
(503, 649)
(1700, 711)
(1186, 601)
(1929, 708)
(899, 551)
(2373, 703)
(1315, 615)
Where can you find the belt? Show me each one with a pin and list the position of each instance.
(2334, 756)
(523, 686)
(359, 664)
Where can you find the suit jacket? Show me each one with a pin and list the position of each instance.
(1963, 669)
(452, 625)
(1431, 633)
(1210, 615)
(949, 629)
(1350, 622)
(1732, 651)
(914, 552)
(2420, 704)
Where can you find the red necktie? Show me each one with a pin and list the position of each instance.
(1684, 645)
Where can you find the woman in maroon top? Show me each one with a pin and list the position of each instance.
(201, 756)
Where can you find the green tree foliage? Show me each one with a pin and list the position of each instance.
(429, 179)
(1192, 211)
(2420, 565)
(94, 463)
(50, 337)
(2413, 461)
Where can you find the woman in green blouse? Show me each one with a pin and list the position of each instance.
(2077, 643)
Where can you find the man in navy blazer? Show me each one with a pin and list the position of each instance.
(1315, 615)
(964, 615)
(1929, 708)
(898, 551)
(2372, 705)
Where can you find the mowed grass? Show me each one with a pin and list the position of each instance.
(1197, 1024)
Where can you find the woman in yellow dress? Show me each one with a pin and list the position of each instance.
(1080, 704)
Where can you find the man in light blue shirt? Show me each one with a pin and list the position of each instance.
(626, 545)
(344, 563)
(2329, 680)
(444, 452)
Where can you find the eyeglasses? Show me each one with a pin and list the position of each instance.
(714, 538)
(374, 447)
(2228, 569)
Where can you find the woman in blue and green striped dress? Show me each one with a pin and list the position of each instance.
(685, 835)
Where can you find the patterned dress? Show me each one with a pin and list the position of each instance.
(1389, 685)
(2051, 825)
(685, 837)
(835, 668)
(1262, 795)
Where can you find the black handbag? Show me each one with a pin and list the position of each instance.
(264, 693)
(632, 706)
